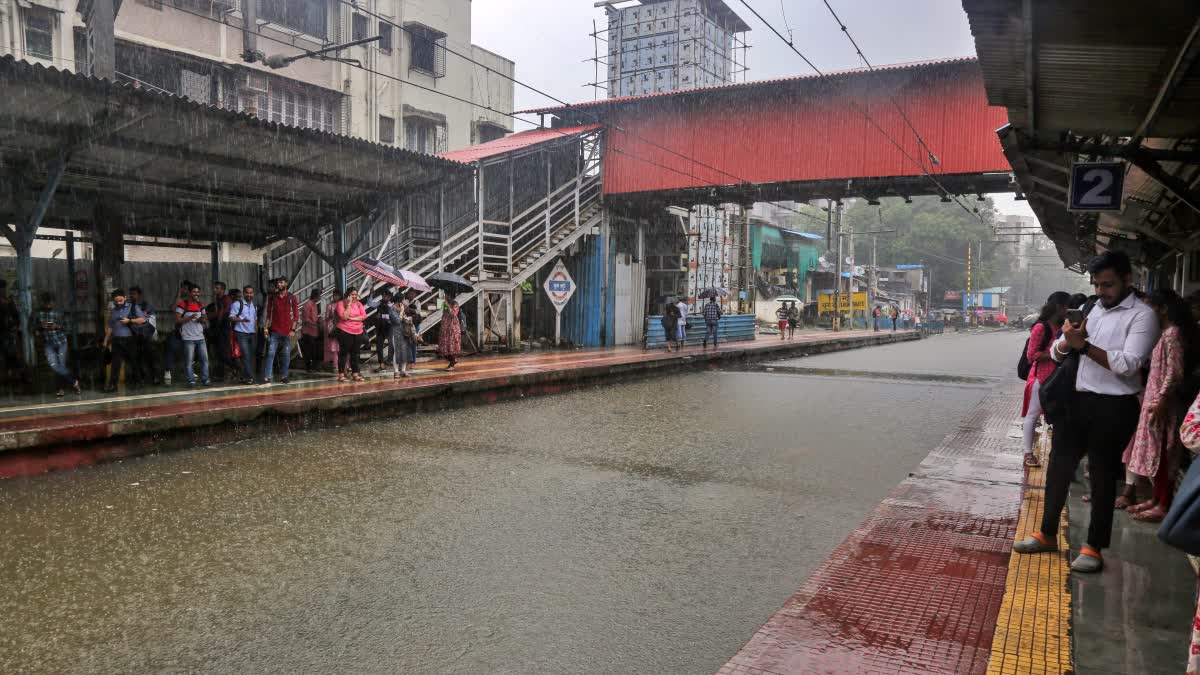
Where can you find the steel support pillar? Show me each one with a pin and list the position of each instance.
(339, 256)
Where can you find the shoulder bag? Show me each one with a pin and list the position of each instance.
(1058, 390)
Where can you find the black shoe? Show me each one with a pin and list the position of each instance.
(284, 381)
(206, 383)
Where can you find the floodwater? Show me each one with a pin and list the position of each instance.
(650, 526)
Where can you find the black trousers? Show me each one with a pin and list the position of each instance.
(383, 341)
(349, 346)
(1099, 427)
(125, 353)
(311, 346)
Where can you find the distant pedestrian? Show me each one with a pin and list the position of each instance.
(118, 336)
(412, 309)
(352, 317)
(403, 333)
(383, 329)
(310, 330)
(681, 329)
(279, 326)
(243, 316)
(670, 324)
(875, 315)
(54, 343)
(781, 319)
(192, 318)
(793, 320)
(144, 327)
(450, 334)
(895, 314)
(329, 323)
(712, 322)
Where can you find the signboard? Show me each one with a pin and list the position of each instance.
(1097, 186)
(825, 302)
(559, 286)
(952, 295)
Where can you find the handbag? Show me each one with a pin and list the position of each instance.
(1181, 527)
(1058, 390)
(235, 350)
(1023, 364)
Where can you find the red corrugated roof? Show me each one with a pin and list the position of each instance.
(756, 83)
(514, 142)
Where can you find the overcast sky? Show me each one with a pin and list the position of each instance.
(551, 43)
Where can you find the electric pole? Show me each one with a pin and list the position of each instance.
(970, 304)
(837, 276)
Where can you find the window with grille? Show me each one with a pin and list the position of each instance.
(427, 53)
(281, 101)
(39, 33)
(359, 27)
(424, 135)
(385, 37)
(306, 16)
(387, 130)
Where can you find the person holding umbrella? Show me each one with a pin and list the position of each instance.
(450, 334)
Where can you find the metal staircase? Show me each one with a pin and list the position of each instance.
(484, 237)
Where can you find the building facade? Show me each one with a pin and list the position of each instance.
(407, 89)
(668, 45)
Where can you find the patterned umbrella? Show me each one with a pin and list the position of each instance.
(713, 293)
(414, 281)
(379, 270)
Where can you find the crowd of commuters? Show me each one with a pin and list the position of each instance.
(1131, 407)
(234, 337)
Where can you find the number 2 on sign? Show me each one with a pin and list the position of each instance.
(1103, 180)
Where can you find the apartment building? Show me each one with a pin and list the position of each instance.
(407, 89)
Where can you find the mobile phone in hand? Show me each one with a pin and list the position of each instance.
(1075, 316)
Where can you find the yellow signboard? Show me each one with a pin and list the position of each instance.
(825, 302)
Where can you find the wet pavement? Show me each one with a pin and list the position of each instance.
(649, 526)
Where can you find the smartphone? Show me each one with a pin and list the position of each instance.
(1075, 316)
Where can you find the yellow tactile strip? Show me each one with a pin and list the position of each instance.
(1033, 630)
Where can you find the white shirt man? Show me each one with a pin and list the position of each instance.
(1126, 333)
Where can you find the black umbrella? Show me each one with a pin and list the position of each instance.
(451, 283)
(713, 293)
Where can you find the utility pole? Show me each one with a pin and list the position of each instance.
(837, 277)
(873, 279)
(970, 298)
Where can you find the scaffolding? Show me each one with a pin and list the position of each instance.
(668, 45)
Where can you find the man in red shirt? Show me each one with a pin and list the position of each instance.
(282, 320)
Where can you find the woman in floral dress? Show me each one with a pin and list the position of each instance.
(450, 334)
(1189, 433)
(1152, 453)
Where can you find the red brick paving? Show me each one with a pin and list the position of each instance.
(916, 588)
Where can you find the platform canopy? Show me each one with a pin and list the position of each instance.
(168, 166)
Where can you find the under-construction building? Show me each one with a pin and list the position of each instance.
(667, 45)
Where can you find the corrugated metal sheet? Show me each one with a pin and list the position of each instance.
(524, 139)
(583, 317)
(733, 328)
(806, 133)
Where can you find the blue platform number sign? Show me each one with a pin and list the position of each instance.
(1097, 186)
(559, 286)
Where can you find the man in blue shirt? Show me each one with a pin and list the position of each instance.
(118, 336)
(243, 316)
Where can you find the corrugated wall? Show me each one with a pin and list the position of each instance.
(583, 317)
(807, 131)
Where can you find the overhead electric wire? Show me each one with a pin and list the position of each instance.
(862, 111)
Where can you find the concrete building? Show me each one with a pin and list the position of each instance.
(193, 49)
(668, 45)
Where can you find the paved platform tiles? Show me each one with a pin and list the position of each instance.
(918, 586)
(72, 431)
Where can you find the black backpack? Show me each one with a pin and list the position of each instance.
(1023, 364)
(1058, 390)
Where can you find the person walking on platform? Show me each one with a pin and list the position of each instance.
(1037, 351)
(310, 330)
(54, 342)
(192, 318)
(681, 328)
(781, 320)
(793, 320)
(875, 313)
(1113, 342)
(712, 322)
(670, 324)
(450, 334)
(895, 314)
(243, 316)
(351, 317)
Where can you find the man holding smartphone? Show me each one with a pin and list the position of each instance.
(1114, 341)
(192, 319)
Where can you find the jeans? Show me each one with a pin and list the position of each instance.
(710, 331)
(876, 324)
(192, 350)
(411, 350)
(57, 358)
(248, 344)
(278, 345)
(1099, 427)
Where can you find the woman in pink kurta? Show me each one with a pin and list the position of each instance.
(330, 321)
(1189, 434)
(1151, 454)
(1037, 352)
